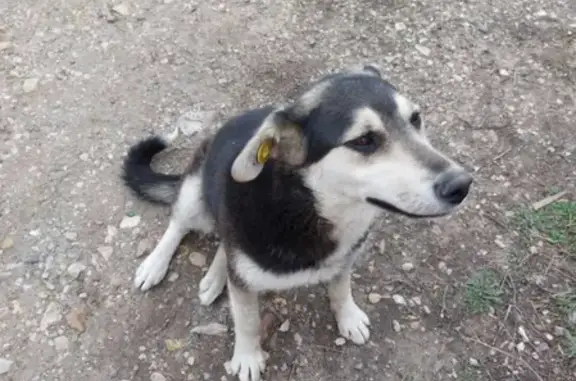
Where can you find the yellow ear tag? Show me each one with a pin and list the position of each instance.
(264, 151)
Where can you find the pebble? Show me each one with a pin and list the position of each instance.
(197, 259)
(284, 327)
(75, 269)
(559, 331)
(76, 319)
(173, 277)
(121, 9)
(374, 297)
(156, 376)
(111, 232)
(61, 343)
(382, 246)
(210, 329)
(473, 362)
(143, 247)
(423, 50)
(7, 243)
(399, 299)
(5, 45)
(298, 339)
(520, 346)
(399, 26)
(30, 84)
(71, 236)
(5, 365)
(396, 326)
(193, 122)
(51, 316)
(191, 360)
(130, 222)
(340, 341)
(106, 251)
(408, 266)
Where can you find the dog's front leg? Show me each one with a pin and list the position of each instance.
(249, 360)
(352, 321)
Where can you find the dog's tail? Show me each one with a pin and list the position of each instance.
(141, 179)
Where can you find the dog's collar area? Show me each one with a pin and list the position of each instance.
(391, 208)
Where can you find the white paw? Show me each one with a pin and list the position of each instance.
(353, 323)
(211, 287)
(150, 272)
(248, 365)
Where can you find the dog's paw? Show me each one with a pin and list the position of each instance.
(150, 272)
(211, 287)
(353, 324)
(247, 365)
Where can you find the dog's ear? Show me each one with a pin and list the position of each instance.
(278, 138)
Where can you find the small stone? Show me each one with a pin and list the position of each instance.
(156, 376)
(400, 26)
(542, 347)
(75, 269)
(408, 266)
(374, 297)
(76, 319)
(130, 222)
(121, 9)
(30, 85)
(298, 339)
(504, 73)
(359, 366)
(284, 327)
(191, 360)
(5, 365)
(473, 362)
(559, 331)
(51, 316)
(427, 310)
(340, 341)
(423, 50)
(520, 346)
(382, 246)
(5, 45)
(173, 345)
(61, 344)
(193, 122)
(143, 248)
(106, 251)
(111, 232)
(7, 243)
(399, 299)
(197, 259)
(549, 337)
(173, 277)
(210, 329)
(417, 301)
(396, 326)
(71, 236)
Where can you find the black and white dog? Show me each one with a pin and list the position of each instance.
(292, 190)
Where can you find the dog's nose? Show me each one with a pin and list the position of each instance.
(453, 187)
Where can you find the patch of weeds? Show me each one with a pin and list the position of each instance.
(566, 304)
(468, 374)
(483, 291)
(554, 223)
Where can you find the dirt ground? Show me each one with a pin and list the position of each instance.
(487, 294)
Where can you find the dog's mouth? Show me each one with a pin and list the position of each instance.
(391, 208)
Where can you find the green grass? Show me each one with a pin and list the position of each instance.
(566, 305)
(468, 374)
(483, 291)
(554, 223)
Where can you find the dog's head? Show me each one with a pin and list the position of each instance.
(356, 138)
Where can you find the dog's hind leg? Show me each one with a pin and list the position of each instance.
(352, 321)
(188, 213)
(213, 283)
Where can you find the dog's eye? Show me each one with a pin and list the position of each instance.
(367, 143)
(415, 119)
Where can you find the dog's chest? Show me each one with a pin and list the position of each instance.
(350, 233)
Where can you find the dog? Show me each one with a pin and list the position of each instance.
(292, 191)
